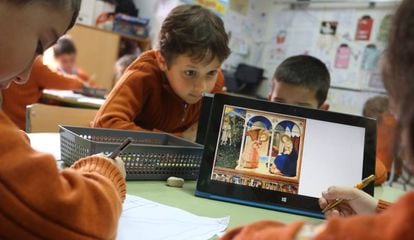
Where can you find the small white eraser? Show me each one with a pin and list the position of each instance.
(175, 182)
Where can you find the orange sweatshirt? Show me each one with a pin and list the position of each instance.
(39, 201)
(385, 138)
(17, 97)
(144, 100)
(386, 128)
(80, 73)
(395, 222)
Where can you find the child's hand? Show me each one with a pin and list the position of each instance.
(117, 162)
(355, 201)
(191, 132)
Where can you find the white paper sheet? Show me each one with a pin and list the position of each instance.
(46, 142)
(144, 219)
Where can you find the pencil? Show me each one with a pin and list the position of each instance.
(359, 185)
(120, 148)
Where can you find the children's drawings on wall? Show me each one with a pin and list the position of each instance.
(343, 56)
(218, 6)
(364, 28)
(281, 37)
(328, 28)
(349, 41)
(240, 6)
(375, 80)
(246, 32)
(370, 58)
(326, 45)
(384, 28)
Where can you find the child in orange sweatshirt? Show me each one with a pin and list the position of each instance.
(39, 201)
(364, 217)
(40, 78)
(162, 89)
(65, 52)
(378, 108)
(304, 81)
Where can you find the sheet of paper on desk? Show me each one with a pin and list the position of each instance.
(96, 101)
(62, 93)
(144, 219)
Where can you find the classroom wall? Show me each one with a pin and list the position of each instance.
(357, 77)
(255, 27)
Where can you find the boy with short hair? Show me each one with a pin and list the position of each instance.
(162, 89)
(305, 80)
(301, 80)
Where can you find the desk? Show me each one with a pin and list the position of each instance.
(184, 197)
(70, 99)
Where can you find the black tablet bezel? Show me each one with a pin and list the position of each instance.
(299, 204)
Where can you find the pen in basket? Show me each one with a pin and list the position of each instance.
(120, 148)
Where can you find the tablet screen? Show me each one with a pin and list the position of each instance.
(280, 156)
(285, 153)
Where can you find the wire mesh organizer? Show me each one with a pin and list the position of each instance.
(150, 156)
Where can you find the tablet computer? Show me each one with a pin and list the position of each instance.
(280, 156)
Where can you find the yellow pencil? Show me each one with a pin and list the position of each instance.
(360, 185)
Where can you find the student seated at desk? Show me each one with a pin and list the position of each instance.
(304, 80)
(17, 96)
(378, 108)
(162, 89)
(38, 200)
(64, 52)
(360, 216)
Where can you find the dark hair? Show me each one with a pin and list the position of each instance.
(193, 30)
(306, 71)
(375, 107)
(72, 5)
(64, 45)
(398, 70)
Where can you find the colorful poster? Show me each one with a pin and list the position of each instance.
(218, 6)
(240, 6)
(384, 29)
(328, 28)
(281, 37)
(259, 149)
(364, 28)
(343, 55)
(370, 57)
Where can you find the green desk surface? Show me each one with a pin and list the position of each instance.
(184, 198)
(77, 100)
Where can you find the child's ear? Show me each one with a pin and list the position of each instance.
(162, 64)
(325, 106)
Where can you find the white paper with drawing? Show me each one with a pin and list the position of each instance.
(144, 219)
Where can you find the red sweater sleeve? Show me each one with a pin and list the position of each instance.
(48, 79)
(393, 222)
(40, 201)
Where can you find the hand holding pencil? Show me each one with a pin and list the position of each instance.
(345, 201)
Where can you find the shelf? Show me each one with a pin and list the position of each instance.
(144, 43)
